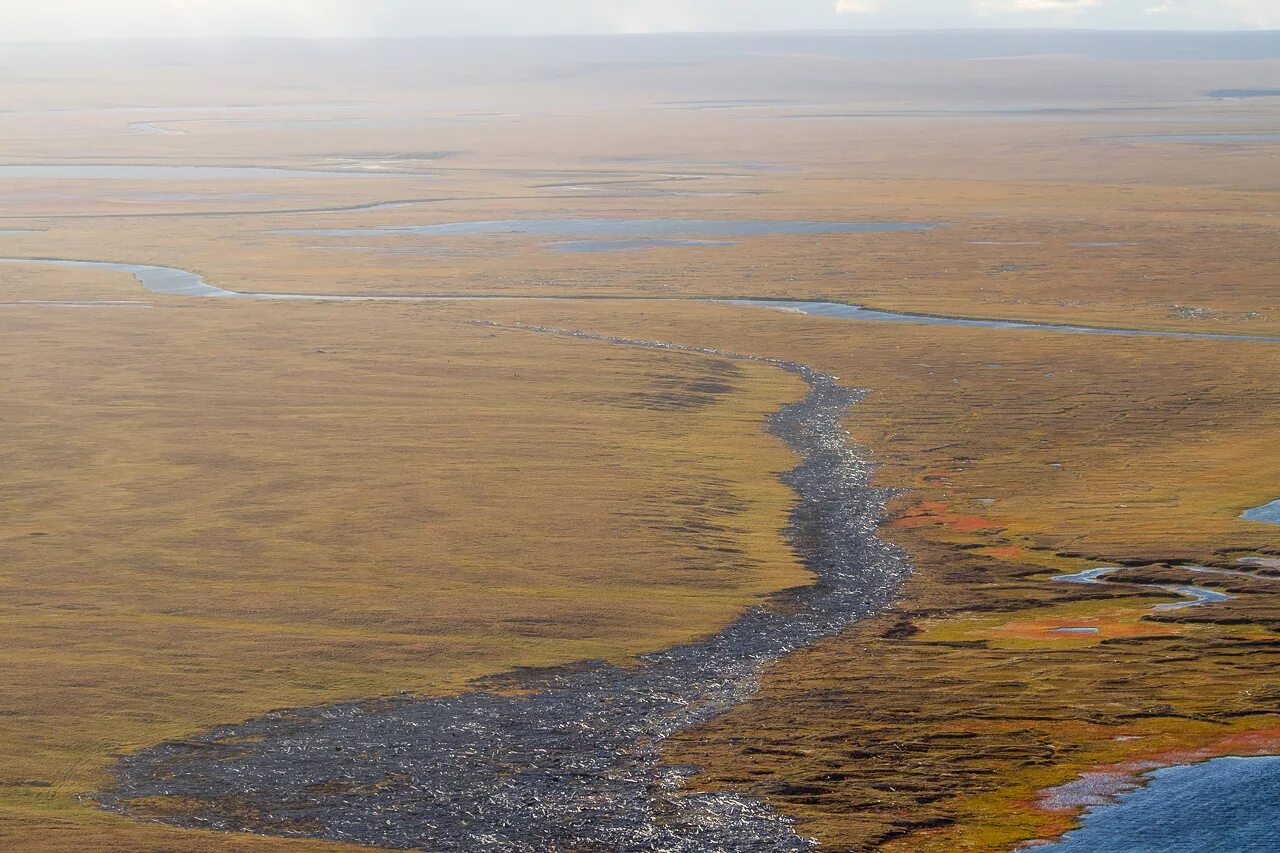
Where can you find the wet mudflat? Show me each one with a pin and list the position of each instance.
(566, 758)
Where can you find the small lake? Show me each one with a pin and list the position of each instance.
(1203, 138)
(336, 123)
(1267, 513)
(1244, 93)
(585, 247)
(1227, 804)
(630, 229)
(855, 312)
(124, 172)
(1039, 114)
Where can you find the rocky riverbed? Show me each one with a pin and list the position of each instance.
(564, 758)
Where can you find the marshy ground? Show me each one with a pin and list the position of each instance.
(214, 509)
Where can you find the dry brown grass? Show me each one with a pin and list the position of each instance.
(212, 510)
(954, 708)
(247, 506)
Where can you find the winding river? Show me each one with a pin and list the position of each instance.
(573, 760)
(1192, 596)
(178, 282)
(567, 757)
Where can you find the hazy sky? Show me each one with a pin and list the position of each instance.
(59, 19)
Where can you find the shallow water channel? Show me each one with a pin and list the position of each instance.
(570, 757)
(1193, 596)
(179, 282)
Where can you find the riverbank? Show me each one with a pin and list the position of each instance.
(487, 768)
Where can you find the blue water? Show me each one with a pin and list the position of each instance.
(1192, 596)
(628, 228)
(1196, 595)
(855, 312)
(1268, 513)
(174, 281)
(1228, 805)
(1087, 576)
(1244, 93)
(610, 246)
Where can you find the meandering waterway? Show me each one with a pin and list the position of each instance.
(179, 282)
(570, 757)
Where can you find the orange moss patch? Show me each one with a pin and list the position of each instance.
(936, 514)
(1037, 629)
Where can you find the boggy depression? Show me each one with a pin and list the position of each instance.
(560, 758)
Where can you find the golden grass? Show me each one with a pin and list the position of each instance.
(212, 510)
(247, 506)
(938, 721)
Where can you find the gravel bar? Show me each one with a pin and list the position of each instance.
(567, 758)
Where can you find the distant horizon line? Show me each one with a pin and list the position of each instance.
(834, 32)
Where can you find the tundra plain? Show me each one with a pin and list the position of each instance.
(214, 508)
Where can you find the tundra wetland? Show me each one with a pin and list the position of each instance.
(971, 541)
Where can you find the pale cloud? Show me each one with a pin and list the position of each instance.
(1264, 14)
(70, 19)
(998, 7)
(144, 18)
(654, 16)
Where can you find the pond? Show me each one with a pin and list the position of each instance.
(1227, 804)
(627, 228)
(1203, 138)
(612, 246)
(1267, 513)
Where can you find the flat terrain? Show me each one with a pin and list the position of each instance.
(215, 508)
